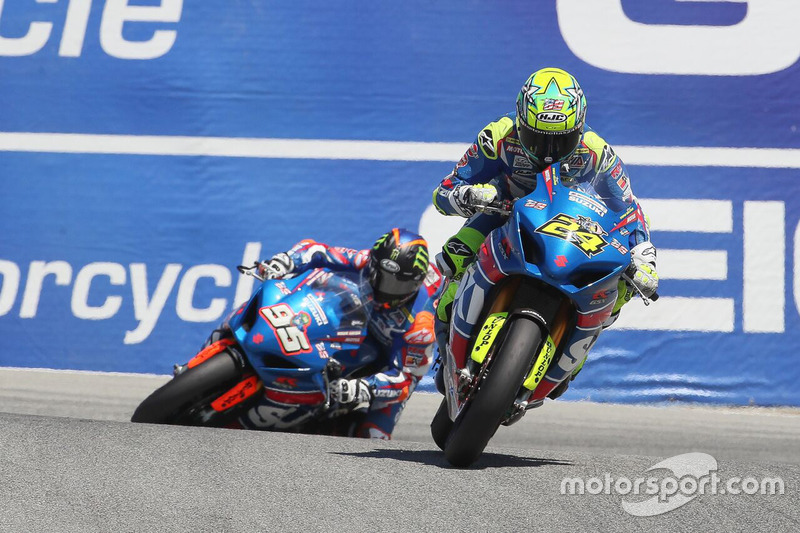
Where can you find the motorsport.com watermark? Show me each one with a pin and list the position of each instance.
(693, 474)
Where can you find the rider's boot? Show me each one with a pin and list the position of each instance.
(560, 389)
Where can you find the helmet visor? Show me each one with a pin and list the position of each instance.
(389, 287)
(541, 146)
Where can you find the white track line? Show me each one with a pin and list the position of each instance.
(263, 148)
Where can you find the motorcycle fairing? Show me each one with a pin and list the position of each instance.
(543, 239)
(292, 327)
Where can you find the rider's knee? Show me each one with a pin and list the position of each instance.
(459, 251)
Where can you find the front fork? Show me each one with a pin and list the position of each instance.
(550, 366)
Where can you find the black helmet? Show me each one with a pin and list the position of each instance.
(398, 264)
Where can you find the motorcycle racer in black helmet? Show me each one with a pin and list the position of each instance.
(397, 270)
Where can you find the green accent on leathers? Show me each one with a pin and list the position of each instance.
(625, 293)
(446, 301)
(457, 258)
(460, 258)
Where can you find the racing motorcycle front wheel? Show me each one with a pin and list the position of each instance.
(441, 425)
(480, 418)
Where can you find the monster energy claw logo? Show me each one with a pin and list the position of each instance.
(421, 260)
(380, 241)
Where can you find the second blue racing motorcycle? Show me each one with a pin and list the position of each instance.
(546, 281)
(288, 342)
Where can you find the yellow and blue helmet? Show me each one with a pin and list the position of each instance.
(551, 110)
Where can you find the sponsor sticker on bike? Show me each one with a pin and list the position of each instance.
(286, 325)
(589, 202)
(487, 335)
(565, 227)
(541, 365)
(535, 204)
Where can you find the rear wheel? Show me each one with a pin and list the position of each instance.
(481, 417)
(196, 387)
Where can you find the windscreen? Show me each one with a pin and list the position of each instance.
(346, 291)
(600, 188)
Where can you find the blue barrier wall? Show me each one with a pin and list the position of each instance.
(147, 147)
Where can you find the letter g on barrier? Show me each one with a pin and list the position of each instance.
(764, 41)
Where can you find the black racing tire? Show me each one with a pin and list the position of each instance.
(441, 425)
(480, 418)
(201, 384)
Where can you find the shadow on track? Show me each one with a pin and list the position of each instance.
(436, 458)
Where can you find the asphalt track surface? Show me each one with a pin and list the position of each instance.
(71, 461)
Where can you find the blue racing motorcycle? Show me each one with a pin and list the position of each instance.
(288, 342)
(542, 285)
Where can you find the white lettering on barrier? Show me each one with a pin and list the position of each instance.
(796, 267)
(75, 28)
(115, 14)
(10, 286)
(33, 287)
(763, 301)
(601, 34)
(34, 40)
(689, 215)
(118, 12)
(184, 306)
(80, 292)
(693, 264)
(670, 313)
(147, 308)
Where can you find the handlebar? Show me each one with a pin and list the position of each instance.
(497, 207)
(251, 271)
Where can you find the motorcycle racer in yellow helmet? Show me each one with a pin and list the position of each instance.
(547, 127)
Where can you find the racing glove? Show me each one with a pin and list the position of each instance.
(643, 268)
(351, 392)
(471, 198)
(277, 267)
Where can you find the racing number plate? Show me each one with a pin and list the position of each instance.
(584, 233)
